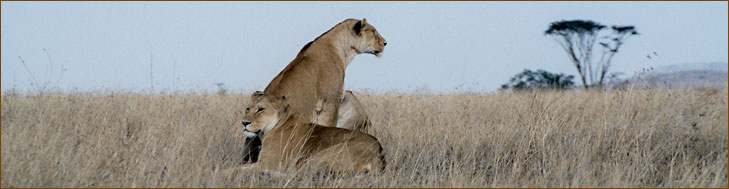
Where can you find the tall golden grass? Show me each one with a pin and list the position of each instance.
(634, 138)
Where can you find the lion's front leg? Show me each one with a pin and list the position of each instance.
(327, 112)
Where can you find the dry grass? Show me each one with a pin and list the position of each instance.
(547, 139)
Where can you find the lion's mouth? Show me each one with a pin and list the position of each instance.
(246, 130)
(250, 133)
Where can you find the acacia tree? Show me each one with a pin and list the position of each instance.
(578, 37)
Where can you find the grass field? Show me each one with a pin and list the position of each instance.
(635, 138)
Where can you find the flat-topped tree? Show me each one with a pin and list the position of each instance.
(616, 39)
(578, 37)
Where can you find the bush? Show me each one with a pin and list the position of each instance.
(538, 80)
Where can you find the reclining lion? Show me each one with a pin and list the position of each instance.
(291, 141)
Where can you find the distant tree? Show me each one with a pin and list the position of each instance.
(538, 80)
(578, 37)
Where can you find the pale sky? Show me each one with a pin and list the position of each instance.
(443, 46)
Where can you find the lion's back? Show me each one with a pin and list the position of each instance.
(365, 153)
(307, 79)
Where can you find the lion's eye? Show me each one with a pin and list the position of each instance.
(248, 110)
(260, 109)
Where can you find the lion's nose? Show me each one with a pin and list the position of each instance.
(385, 44)
(246, 123)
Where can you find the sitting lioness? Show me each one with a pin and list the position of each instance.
(317, 73)
(291, 141)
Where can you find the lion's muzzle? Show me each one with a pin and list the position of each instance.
(250, 134)
(247, 131)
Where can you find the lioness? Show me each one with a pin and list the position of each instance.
(291, 141)
(317, 72)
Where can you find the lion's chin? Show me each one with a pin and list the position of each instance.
(249, 134)
(378, 54)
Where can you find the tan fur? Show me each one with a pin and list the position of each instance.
(316, 116)
(317, 72)
(351, 114)
(291, 141)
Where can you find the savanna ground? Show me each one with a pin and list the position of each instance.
(633, 138)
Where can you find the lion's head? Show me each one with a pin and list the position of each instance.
(263, 113)
(368, 39)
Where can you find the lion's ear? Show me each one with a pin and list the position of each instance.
(257, 94)
(358, 27)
